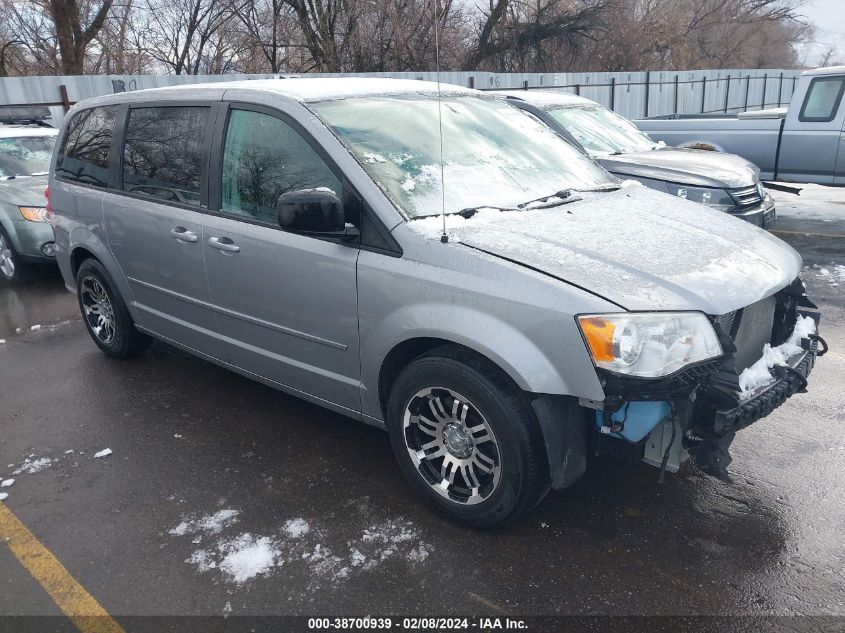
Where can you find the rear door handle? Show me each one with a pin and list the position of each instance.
(183, 235)
(224, 244)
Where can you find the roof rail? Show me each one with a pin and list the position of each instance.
(33, 115)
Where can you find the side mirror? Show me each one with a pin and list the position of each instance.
(311, 211)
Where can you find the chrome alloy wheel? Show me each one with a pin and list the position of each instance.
(452, 445)
(7, 259)
(97, 309)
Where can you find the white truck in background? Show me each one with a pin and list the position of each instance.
(804, 142)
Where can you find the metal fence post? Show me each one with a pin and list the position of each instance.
(675, 105)
(525, 85)
(703, 93)
(578, 89)
(472, 82)
(765, 81)
(727, 93)
(647, 87)
(613, 94)
(65, 99)
(747, 88)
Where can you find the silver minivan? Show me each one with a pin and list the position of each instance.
(498, 302)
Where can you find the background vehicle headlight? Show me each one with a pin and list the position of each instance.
(650, 344)
(34, 214)
(718, 199)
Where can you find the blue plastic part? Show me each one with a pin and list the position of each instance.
(638, 419)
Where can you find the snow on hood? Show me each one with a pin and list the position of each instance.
(697, 168)
(24, 191)
(639, 248)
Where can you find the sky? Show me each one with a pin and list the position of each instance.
(829, 18)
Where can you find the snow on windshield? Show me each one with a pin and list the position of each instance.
(493, 154)
(24, 156)
(601, 131)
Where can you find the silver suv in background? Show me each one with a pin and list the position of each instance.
(26, 147)
(724, 182)
(292, 231)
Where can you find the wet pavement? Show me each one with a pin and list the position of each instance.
(207, 465)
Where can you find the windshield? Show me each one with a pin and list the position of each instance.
(601, 131)
(25, 155)
(493, 154)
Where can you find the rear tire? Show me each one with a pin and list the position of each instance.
(12, 269)
(466, 438)
(104, 313)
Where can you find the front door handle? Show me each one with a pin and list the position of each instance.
(183, 235)
(224, 244)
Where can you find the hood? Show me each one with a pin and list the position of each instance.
(24, 191)
(639, 248)
(693, 167)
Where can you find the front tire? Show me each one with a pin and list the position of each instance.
(466, 438)
(12, 269)
(105, 314)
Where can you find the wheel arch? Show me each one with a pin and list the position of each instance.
(84, 244)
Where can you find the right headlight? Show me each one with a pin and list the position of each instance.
(649, 344)
(718, 199)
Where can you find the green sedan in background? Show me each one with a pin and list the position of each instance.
(26, 237)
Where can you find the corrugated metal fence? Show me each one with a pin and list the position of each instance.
(632, 94)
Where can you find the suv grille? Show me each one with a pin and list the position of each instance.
(751, 329)
(746, 196)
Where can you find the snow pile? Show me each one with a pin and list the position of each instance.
(296, 528)
(759, 373)
(31, 465)
(103, 453)
(209, 524)
(6, 483)
(247, 556)
(4, 496)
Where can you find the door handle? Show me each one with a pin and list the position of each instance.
(224, 244)
(183, 235)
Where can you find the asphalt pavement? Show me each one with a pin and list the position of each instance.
(225, 497)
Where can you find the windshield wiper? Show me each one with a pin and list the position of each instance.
(562, 196)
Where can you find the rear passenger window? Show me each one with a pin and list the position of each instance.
(162, 154)
(822, 101)
(263, 158)
(84, 153)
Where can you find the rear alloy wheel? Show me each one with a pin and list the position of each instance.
(104, 312)
(466, 438)
(97, 310)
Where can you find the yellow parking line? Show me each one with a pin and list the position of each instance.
(76, 603)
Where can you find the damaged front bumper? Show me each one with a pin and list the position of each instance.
(789, 379)
(698, 411)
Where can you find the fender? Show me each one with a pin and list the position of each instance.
(81, 236)
(509, 348)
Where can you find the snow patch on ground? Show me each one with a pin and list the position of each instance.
(296, 528)
(242, 557)
(759, 373)
(6, 483)
(103, 453)
(210, 524)
(4, 496)
(32, 465)
(247, 556)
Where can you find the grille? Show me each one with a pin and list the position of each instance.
(747, 196)
(751, 329)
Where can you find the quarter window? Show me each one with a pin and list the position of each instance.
(822, 100)
(263, 158)
(84, 153)
(162, 155)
